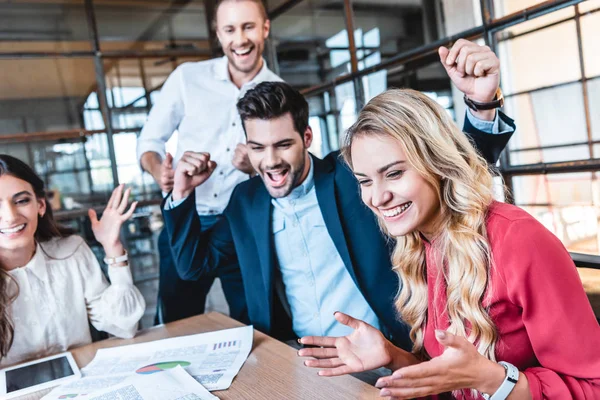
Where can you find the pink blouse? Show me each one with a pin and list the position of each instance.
(545, 322)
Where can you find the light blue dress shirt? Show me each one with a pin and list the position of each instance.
(315, 279)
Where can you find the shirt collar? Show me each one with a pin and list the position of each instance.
(37, 265)
(221, 72)
(306, 186)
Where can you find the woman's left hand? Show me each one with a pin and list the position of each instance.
(459, 367)
(107, 229)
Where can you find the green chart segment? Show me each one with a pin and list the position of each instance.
(161, 366)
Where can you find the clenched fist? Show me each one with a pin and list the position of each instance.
(193, 169)
(241, 160)
(165, 179)
(475, 70)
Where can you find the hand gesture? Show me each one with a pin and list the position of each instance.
(165, 180)
(193, 169)
(364, 349)
(241, 160)
(107, 229)
(474, 69)
(459, 367)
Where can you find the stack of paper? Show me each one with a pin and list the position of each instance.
(148, 371)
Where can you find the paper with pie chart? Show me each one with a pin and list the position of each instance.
(212, 359)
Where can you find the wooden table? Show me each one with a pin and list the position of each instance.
(272, 370)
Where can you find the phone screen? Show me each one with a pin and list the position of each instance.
(36, 374)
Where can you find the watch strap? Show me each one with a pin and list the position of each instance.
(510, 380)
(490, 105)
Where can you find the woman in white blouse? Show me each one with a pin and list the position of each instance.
(51, 284)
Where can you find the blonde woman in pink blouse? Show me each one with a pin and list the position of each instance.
(51, 285)
(494, 302)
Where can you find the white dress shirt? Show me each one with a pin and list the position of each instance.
(60, 290)
(199, 101)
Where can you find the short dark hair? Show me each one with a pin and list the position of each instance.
(269, 100)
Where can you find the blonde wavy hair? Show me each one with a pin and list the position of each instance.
(443, 155)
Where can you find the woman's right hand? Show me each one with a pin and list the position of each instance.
(364, 349)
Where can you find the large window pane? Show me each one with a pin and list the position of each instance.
(505, 7)
(426, 75)
(594, 99)
(589, 5)
(567, 204)
(533, 61)
(548, 118)
(590, 32)
(73, 167)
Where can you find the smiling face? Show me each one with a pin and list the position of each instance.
(401, 197)
(242, 31)
(278, 153)
(19, 212)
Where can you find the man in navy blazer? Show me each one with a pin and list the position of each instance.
(298, 233)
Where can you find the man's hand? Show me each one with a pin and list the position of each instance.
(161, 171)
(475, 70)
(166, 174)
(241, 160)
(364, 349)
(193, 169)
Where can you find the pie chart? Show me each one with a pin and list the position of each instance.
(161, 366)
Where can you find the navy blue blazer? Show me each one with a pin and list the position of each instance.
(243, 241)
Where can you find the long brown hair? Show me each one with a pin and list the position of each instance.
(47, 229)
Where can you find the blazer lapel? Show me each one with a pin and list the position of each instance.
(325, 186)
(262, 211)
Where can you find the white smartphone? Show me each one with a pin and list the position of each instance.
(32, 376)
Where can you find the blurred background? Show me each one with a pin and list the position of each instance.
(78, 77)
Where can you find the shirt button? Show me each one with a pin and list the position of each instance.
(316, 315)
(221, 173)
(215, 195)
(233, 124)
(292, 202)
(295, 224)
(228, 149)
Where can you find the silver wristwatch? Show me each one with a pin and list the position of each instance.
(510, 380)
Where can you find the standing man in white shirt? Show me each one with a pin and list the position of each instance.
(199, 101)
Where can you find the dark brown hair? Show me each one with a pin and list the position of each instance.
(47, 229)
(270, 100)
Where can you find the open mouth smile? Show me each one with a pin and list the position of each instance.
(396, 211)
(277, 178)
(243, 53)
(13, 230)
